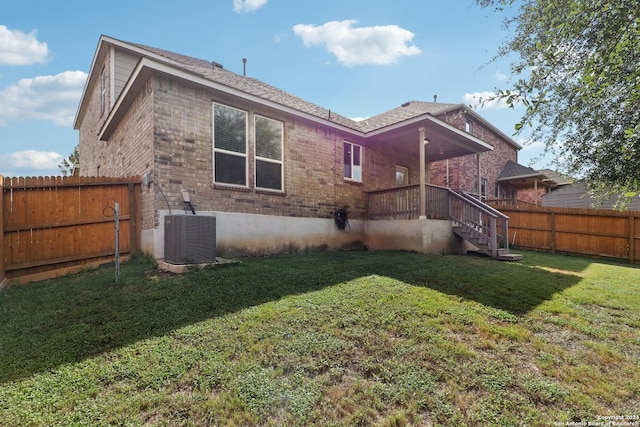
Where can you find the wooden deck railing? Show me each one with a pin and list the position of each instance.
(394, 203)
(404, 203)
(442, 203)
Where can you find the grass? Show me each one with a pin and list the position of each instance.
(329, 338)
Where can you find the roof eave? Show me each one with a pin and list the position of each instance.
(477, 144)
(146, 66)
(486, 123)
(511, 178)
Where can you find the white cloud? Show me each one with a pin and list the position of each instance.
(30, 162)
(51, 98)
(380, 45)
(18, 48)
(240, 6)
(501, 77)
(484, 101)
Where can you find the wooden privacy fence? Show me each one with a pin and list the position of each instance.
(594, 232)
(51, 225)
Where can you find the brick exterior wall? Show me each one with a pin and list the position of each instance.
(129, 150)
(312, 159)
(463, 170)
(528, 194)
(168, 133)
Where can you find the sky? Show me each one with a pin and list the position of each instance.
(358, 58)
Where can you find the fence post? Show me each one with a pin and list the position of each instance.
(553, 232)
(2, 272)
(505, 221)
(133, 219)
(632, 242)
(494, 238)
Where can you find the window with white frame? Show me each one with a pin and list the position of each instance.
(103, 90)
(268, 153)
(483, 187)
(468, 126)
(352, 161)
(229, 145)
(402, 176)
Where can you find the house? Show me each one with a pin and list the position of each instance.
(577, 195)
(273, 168)
(518, 183)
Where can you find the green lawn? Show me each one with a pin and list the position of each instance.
(328, 338)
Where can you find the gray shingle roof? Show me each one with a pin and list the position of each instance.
(557, 177)
(406, 111)
(512, 169)
(214, 72)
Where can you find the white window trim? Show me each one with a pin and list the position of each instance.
(103, 90)
(266, 159)
(361, 162)
(233, 153)
(468, 126)
(405, 171)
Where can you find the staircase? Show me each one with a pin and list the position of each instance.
(481, 225)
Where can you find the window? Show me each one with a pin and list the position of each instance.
(352, 161)
(268, 165)
(103, 90)
(468, 126)
(402, 176)
(483, 187)
(229, 145)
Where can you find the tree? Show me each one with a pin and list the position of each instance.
(577, 74)
(68, 164)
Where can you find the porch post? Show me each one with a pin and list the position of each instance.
(423, 173)
(479, 189)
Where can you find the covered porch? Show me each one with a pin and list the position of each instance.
(391, 212)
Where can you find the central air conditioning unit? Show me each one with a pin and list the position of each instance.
(189, 239)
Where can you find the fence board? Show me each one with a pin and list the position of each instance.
(53, 223)
(594, 232)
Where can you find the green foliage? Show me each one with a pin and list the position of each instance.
(576, 74)
(68, 164)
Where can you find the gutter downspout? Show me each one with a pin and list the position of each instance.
(423, 173)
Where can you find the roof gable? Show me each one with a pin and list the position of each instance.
(512, 169)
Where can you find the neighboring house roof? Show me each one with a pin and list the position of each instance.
(557, 177)
(513, 171)
(213, 75)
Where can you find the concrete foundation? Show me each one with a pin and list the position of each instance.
(418, 235)
(249, 234)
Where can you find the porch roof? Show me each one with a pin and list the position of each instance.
(522, 176)
(401, 127)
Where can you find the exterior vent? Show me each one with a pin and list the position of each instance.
(189, 239)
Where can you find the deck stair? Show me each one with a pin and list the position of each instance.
(481, 225)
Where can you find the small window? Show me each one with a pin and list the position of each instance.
(229, 145)
(468, 126)
(103, 90)
(268, 165)
(402, 176)
(352, 161)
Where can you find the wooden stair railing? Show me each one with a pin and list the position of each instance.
(480, 224)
